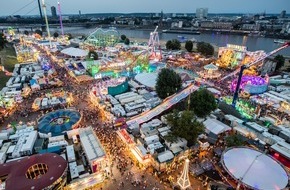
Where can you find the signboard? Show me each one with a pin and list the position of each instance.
(237, 47)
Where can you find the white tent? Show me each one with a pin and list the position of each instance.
(147, 79)
(75, 52)
(215, 126)
(254, 169)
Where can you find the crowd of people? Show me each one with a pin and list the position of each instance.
(121, 162)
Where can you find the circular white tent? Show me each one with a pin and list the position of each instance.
(254, 169)
(75, 52)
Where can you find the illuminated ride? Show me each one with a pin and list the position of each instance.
(154, 46)
(11, 31)
(60, 18)
(244, 107)
(129, 63)
(210, 72)
(251, 84)
(246, 66)
(233, 56)
(103, 38)
(59, 121)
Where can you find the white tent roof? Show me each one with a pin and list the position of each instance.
(215, 126)
(147, 79)
(210, 67)
(165, 156)
(255, 169)
(75, 52)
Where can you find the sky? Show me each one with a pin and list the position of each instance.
(10, 7)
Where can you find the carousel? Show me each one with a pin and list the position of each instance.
(59, 121)
(210, 72)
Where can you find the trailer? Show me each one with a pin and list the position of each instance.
(131, 114)
(131, 99)
(125, 95)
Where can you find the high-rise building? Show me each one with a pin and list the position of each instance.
(201, 12)
(53, 12)
(283, 14)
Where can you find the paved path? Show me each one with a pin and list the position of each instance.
(166, 104)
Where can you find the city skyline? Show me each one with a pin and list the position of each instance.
(28, 7)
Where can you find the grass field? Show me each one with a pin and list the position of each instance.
(8, 61)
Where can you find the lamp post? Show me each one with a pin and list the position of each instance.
(46, 22)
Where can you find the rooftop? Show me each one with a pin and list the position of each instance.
(147, 79)
(257, 171)
(16, 172)
(91, 144)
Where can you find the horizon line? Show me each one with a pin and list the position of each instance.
(148, 13)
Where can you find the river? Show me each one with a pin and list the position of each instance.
(252, 42)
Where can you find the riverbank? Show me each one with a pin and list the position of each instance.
(9, 59)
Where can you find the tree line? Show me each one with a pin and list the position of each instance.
(204, 48)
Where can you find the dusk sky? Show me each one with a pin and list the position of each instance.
(9, 7)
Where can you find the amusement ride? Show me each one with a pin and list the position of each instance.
(154, 45)
(246, 66)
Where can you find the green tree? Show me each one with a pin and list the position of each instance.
(205, 48)
(26, 32)
(93, 55)
(234, 140)
(123, 37)
(127, 41)
(176, 44)
(280, 61)
(168, 82)
(173, 44)
(202, 102)
(188, 45)
(55, 35)
(39, 32)
(184, 125)
(14, 126)
(3, 41)
(169, 44)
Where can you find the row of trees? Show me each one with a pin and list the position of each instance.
(202, 47)
(205, 48)
(40, 33)
(125, 40)
(173, 44)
